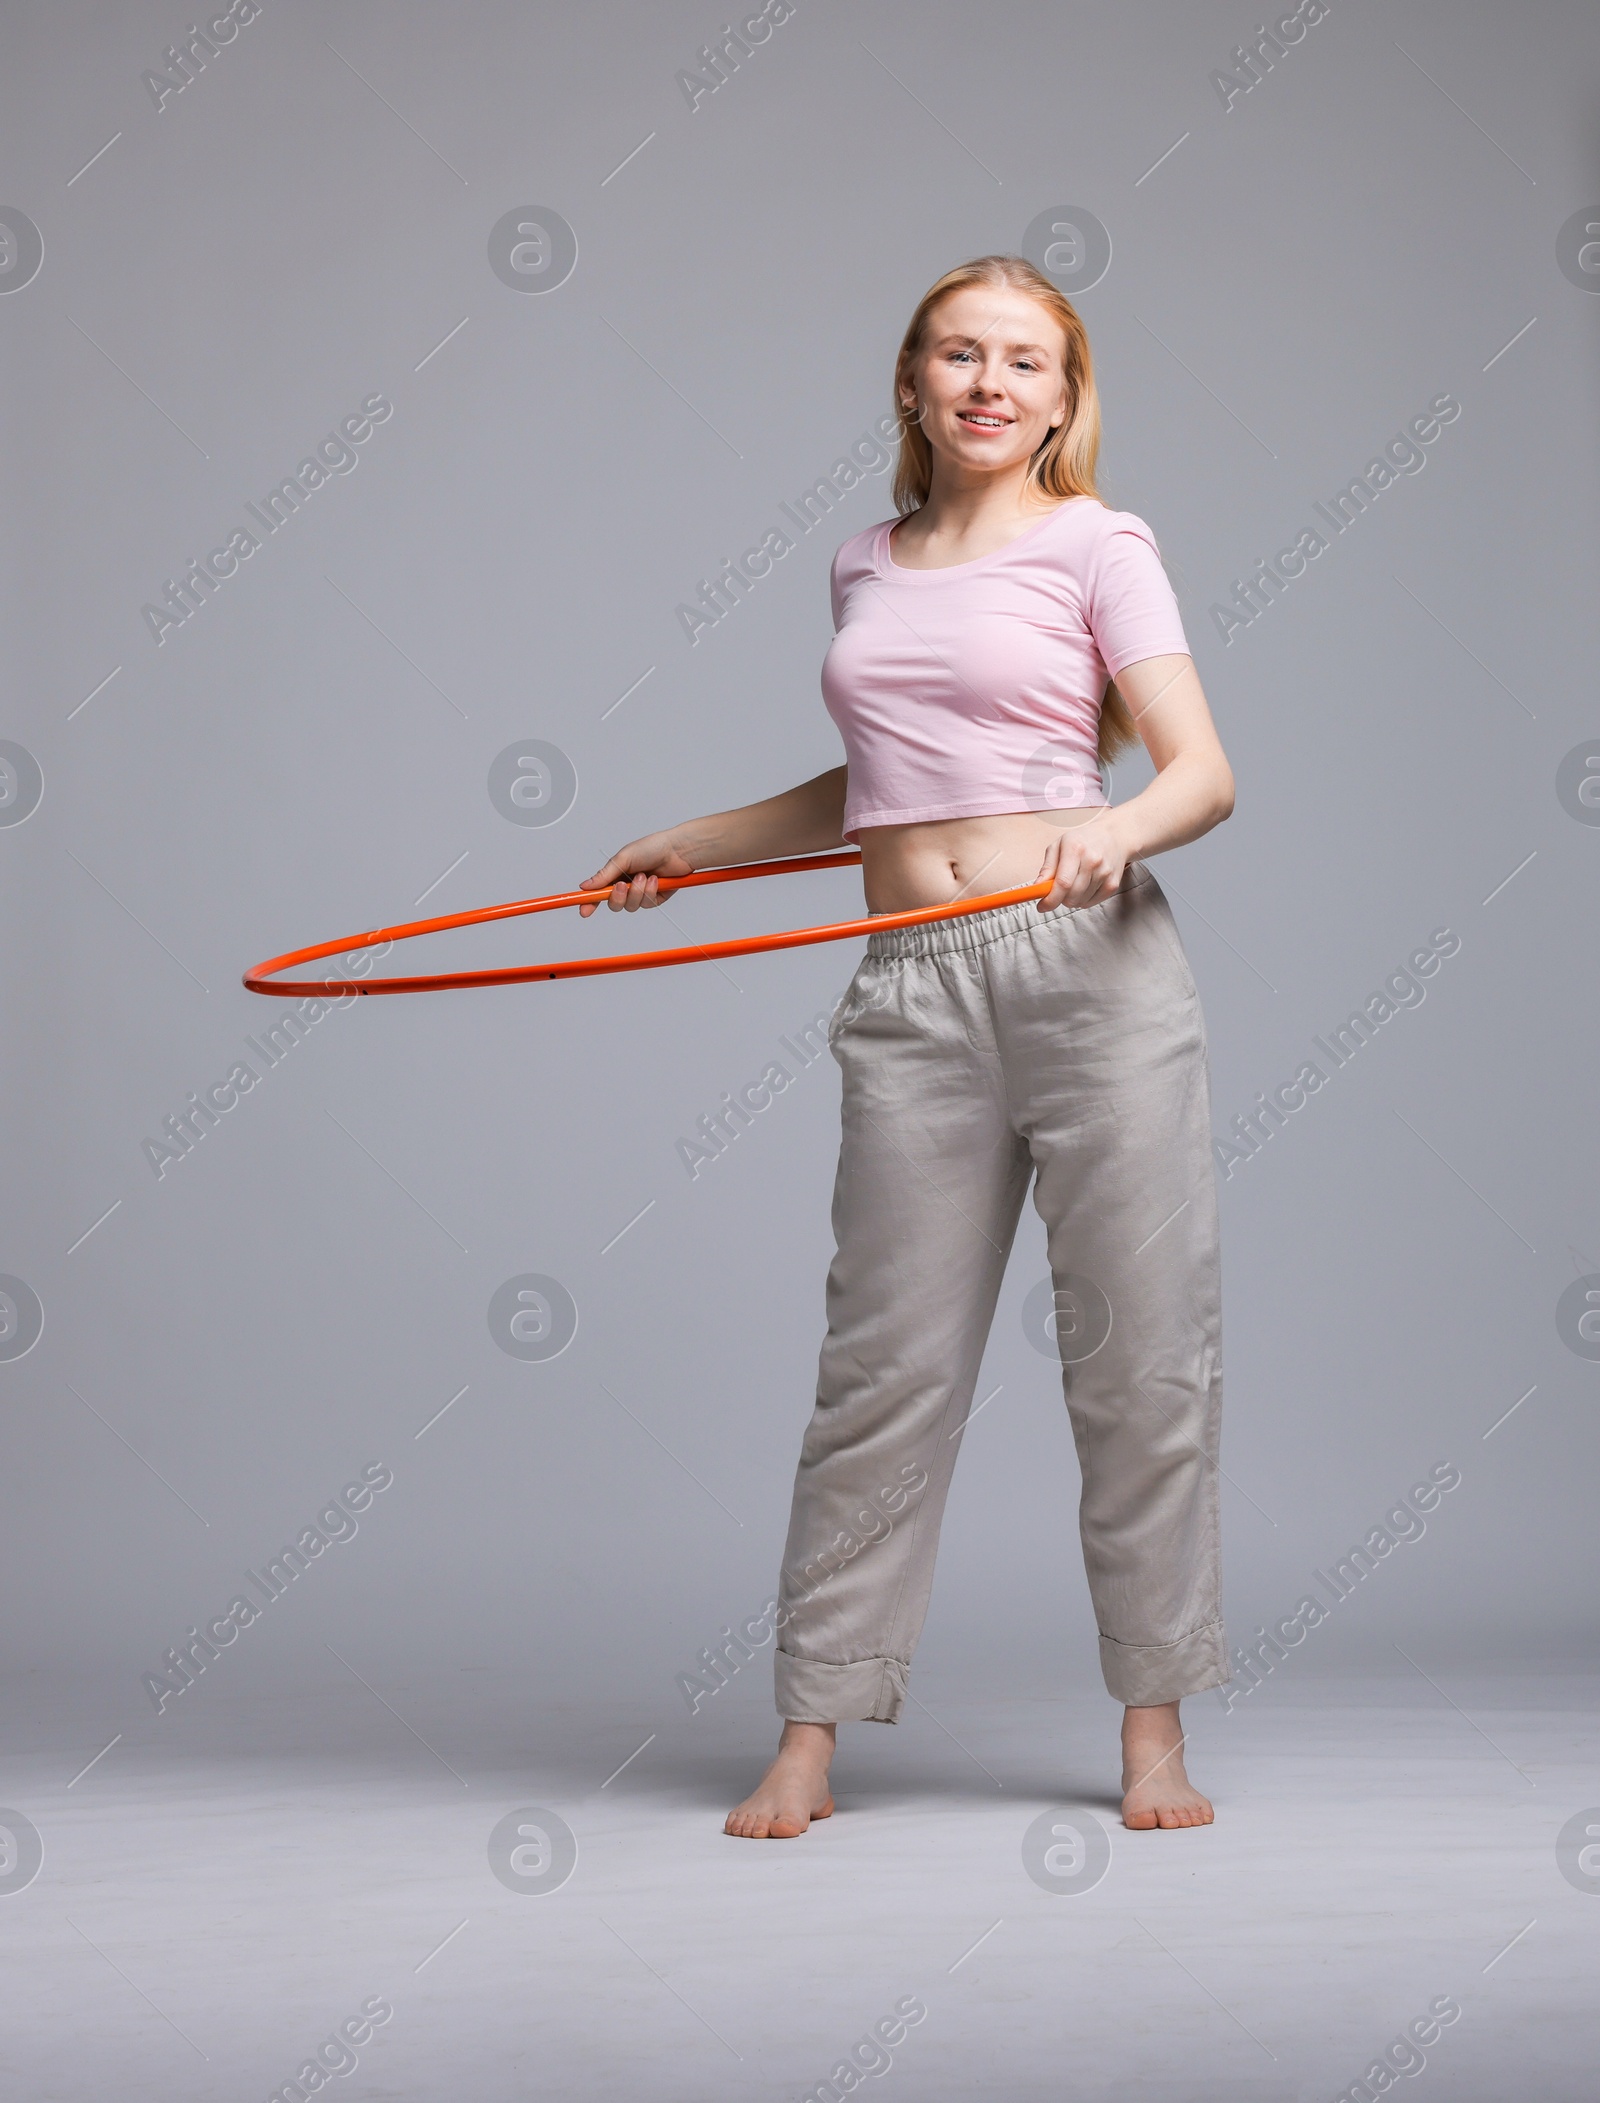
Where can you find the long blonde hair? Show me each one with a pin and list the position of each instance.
(1065, 462)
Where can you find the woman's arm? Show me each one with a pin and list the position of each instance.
(806, 819)
(1192, 791)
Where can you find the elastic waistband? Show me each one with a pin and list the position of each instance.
(972, 931)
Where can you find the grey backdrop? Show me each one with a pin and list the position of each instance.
(307, 224)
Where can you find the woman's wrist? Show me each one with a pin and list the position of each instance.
(695, 843)
(1124, 833)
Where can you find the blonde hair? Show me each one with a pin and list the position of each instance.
(1064, 464)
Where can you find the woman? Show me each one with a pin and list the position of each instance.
(977, 636)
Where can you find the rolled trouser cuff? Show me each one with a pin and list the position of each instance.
(1148, 1675)
(871, 1691)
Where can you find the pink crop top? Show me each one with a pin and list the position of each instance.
(973, 690)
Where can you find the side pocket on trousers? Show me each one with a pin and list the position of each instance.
(870, 988)
(1156, 899)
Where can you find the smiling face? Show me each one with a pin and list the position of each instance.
(989, 380)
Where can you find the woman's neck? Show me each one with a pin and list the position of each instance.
(963, 505)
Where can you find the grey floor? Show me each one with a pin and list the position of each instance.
(215, 1901)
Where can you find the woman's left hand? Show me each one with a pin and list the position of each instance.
(1084, 865)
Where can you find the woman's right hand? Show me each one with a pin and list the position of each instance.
(630, 875)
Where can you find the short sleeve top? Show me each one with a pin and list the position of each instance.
(976, 689)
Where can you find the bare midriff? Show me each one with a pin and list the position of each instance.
(907, 866)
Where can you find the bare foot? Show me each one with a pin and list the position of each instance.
(1156, 1791)
(794, 1789)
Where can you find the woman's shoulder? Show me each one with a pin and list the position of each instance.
(860, 551)
(855, 560)
(1105, 548)
(1092, 522)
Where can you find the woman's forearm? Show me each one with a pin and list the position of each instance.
(806, 819)
(1193, 788)
(1191, 794)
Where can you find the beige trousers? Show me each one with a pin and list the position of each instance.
(1066, 1048)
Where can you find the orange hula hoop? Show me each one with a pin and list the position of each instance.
(262, 978)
